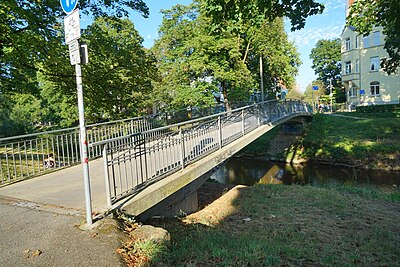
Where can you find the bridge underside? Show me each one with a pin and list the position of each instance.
(181, 187)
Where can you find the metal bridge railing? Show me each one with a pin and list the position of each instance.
(25, 156)
(29, 155)
(146, 157)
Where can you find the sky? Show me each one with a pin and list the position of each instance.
(328, 25)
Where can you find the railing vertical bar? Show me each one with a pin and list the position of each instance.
(243, 122)
(182, 148)
(62, 150)
(107, 176)
(41, 163)
(8, 165)
(20, 160)
(77, 153)
(219, 132)
(1, 169)
(26, 159)
(69, 149)
(13, 160)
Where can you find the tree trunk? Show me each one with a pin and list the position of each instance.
(225, 94)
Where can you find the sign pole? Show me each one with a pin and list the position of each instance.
(83, 146)
(72, 35)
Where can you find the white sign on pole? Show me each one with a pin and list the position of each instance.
(74, 55)
(72, 26)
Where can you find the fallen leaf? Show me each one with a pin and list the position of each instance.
(37, 253)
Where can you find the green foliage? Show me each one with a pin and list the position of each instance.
(36, 75)
(352, 141)
(118, 78)
(196, 61)
(229, 15)
(365, 14)
(390, 110)
(327, 63)
(29, 29)
(312, 96)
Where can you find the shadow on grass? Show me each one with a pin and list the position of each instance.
(274, 225)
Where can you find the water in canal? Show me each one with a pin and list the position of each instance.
(250, 172)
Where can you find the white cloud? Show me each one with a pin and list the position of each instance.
(310, 36)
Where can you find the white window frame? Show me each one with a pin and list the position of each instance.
(374, 88)
(353, 92)
(356, 42)
(347, 67)
(347, 44)
(374, 64)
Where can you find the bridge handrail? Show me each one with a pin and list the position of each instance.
(134, 161)
(163, 128)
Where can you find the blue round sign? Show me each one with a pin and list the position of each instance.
(68, 5)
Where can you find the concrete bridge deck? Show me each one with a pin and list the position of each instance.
(62, 189)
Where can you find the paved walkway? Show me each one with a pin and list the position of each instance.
(63, 188)
(40, 218)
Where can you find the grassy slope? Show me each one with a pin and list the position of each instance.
(289, 226)
(295, 225)
(373, 141)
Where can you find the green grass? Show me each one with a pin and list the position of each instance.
(292, 226)
(348, 140)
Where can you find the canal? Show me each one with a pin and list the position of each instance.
(249, 172)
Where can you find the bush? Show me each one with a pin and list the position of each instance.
(393, 108)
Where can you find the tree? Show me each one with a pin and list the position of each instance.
(183, 80)
(280, 57)
(117, 80)
(313, 96)
(365, 14)
(28, 29)
(295, 94)
(196, 60)
(326, 58)
(242, 20)
(228, 15)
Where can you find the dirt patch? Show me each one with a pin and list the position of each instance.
(210, 191)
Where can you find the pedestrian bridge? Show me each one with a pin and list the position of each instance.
(138, 170)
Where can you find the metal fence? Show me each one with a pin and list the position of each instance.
(140, 160)
(25, 156)
(33, 154)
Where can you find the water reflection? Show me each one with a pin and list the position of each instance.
(250, 172)
(273, 176)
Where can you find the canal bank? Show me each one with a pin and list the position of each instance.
(276, 225)
(368, 141)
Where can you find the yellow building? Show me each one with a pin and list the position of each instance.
(365, 82)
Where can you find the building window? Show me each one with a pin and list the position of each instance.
(366, 41)
(376, 38)
(347, 42)
(353, 91)
(374, 86)
(347, 69)
(356, 42)
(357, 65)
(374, 65)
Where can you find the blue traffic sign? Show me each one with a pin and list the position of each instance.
(68, 5)
(315, 87)
(362, 92)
